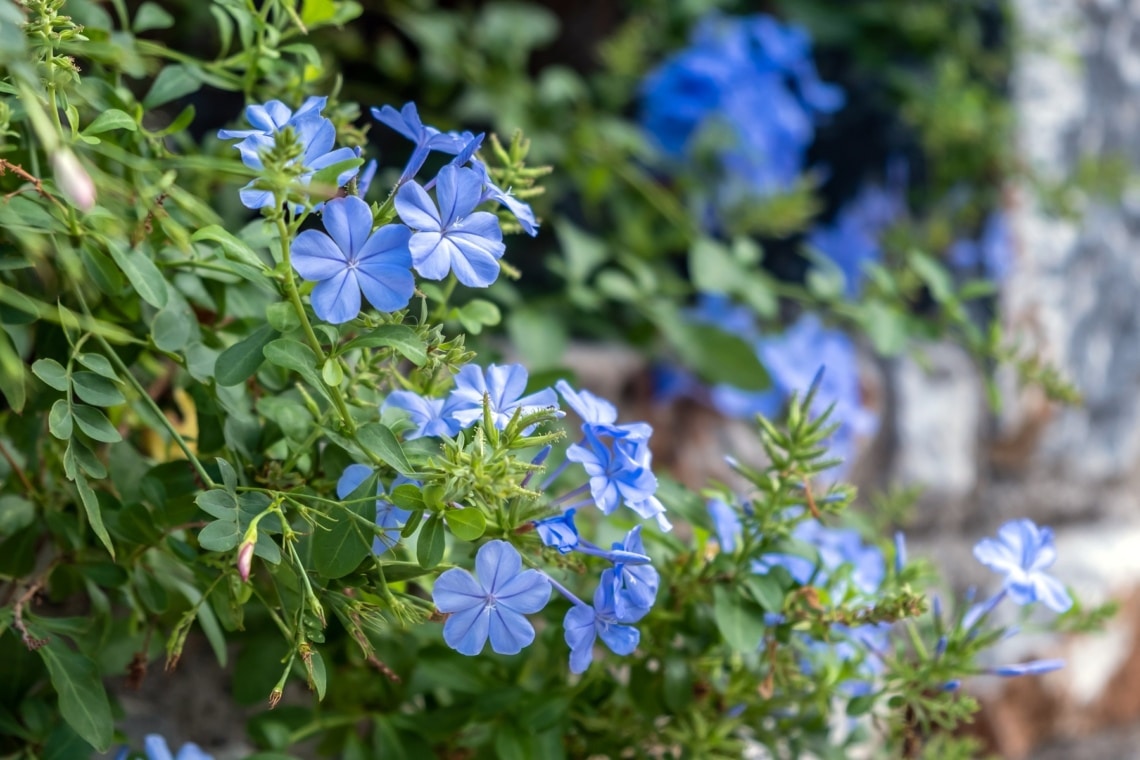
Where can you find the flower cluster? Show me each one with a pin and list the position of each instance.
(793, 359)
(747, 89)
(435, 237)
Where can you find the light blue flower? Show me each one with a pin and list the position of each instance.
(156, 748)
(559, 532)
(521, 210)
(388, 515)
(503, 386)
(593, 410)
(492, 605)
(620, 473)
(407, 122)
(584, 624)
(1032, 668)
(431, 416)
(272, 117)
(453, 237)
(352, 258)
(726, 524)
(635, 582)
(1022, 552)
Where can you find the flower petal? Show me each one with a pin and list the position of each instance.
(466, 631)
(416, 208)
(351, 478)
(456, 589)
(429, 256)
(337, 299)
(526, 593)
(579, 632)
(509, 631)
(457, 190)
(316, 257)
(471, 261)
(621, 639)
(1051, 592)
(496, 563)
(349, 223)
(387, 288)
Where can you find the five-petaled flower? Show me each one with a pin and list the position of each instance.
(1022, 552)
(583, 625)
(453, 237)
(492, 605)
(351, 258)
(503, 386)
(431, 416)
(407, 122)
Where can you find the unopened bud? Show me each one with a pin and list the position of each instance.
(245, 559)
(73, 179)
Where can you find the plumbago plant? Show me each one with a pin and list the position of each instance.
(235, 414)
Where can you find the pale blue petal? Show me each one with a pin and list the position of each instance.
(191, 751)
(469, 258)
(1052, 593)
(457, 190)
(621, 639)
(316, 257)
(156, 748)
(510, 632)
(526, 593)
(580, 632)
(456, 589)
(466, 631)
(997, 556)
(337, 299)
(349, 223)
(496, 563)
(351, 478)
(416, 208)
(386, 288)
(255, 199)
(429, 256)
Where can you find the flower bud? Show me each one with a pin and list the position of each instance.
(245, 558)
(73, 179)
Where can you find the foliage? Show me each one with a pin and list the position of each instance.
(242, 402)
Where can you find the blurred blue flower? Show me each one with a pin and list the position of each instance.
(559, 532)
(388, 515)
(1032, 668)
(431, 416)
(726, 524)
(749, 81)
(156, 748)
(453, 237)
(1022, 552)
(352, 258)
(584, 624)
(991, 255)
(407, 122)
(493, 604)
(837, 549)
(503, 387)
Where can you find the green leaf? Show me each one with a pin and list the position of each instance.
(329, 175)
(885, 326)
(429, 548)
(332, 373)
(241, 361)
(399, 337)
(218, 503)
(232, 246)
(712, 267)
(766, 590)
(715, 355)
(408, 497)
(59, 420)
(294, 355)
(110, 120)
(51, 372)
(315, 12)
(740, 621)
(172, 82)
(180, 122)
(82, 698)
(12, 370)
(477, 314)
(315, 667)
(96, 389)
(540, 336)
(379, 439)
(394, 572)
(94, 514)
(339, 549)
(98, 363)
(171, 329)
(95, 424)
(466, 524)
(220, 536)
(144, 276)
(151, 16)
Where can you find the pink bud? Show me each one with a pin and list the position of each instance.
(245, 560)
(73, 179)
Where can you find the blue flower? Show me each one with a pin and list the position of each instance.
(634, 583)
(620, 473)
(593, 410)
(726, 524)
(454, 237)
(521, 210)
(156, 748)
(431, 416)
(315, 134)
(559, 532)
(407, 122)
(503, 386)
(584, 624)
(837, 548)
(1033, 668)
(1021, 553)
(494, 606)
(388, 515)
(352, 258)
(992, 254)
